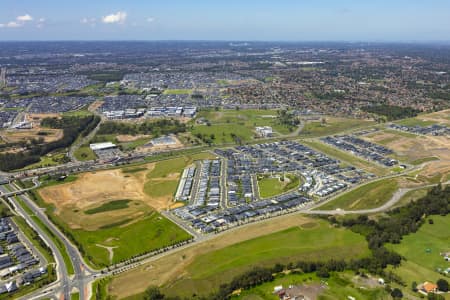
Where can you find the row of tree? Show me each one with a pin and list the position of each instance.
(155, 128)
(391, 112)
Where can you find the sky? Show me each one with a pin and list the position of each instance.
(264, 20)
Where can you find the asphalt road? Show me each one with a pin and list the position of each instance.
(63, 276)
(82, 272)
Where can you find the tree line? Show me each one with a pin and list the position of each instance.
(392, 112)
(72, 127)
(154, 128)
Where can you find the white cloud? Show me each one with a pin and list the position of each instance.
(89, 21)
(118, 17)
(150, 19)
(24, 18)
(40, 23)
(13, 24)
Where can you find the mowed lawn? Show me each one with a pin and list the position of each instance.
(133, 238)
(313, 242)
(370, 195)
(421, 251)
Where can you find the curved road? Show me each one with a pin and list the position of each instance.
(83, 273)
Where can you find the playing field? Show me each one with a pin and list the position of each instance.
(422, 251)
(203, 267)
(370, 195)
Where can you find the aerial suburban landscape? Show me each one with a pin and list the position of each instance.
(203, 168)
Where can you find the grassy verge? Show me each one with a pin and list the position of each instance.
(367, 196)
(62, 248)
(75, 296)
(99, 289)
(32, 235)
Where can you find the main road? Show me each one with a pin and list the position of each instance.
(83, 273)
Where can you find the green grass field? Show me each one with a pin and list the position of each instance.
(113, 205)
(161, 180)
(269, 187)
(370, 195)
(332, 126)
(134, 238)
(317, 241)
(48, 161)
(421, 251)
(339, 286)
(415, 122)
(84, 153)
(239, 122)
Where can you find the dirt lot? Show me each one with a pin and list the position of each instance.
(414, 147)
(169, 268)
(94, 188)
(126, 138)
(17, 135)
(148, 149)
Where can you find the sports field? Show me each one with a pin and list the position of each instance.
(422, 251)
(202, 267)
(370, 195)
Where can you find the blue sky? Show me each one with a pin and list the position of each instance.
(290, 20)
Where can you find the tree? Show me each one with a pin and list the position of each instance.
(153, 293)
(433, 296)
(396, 293)
(442, 285)
(414, 286)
